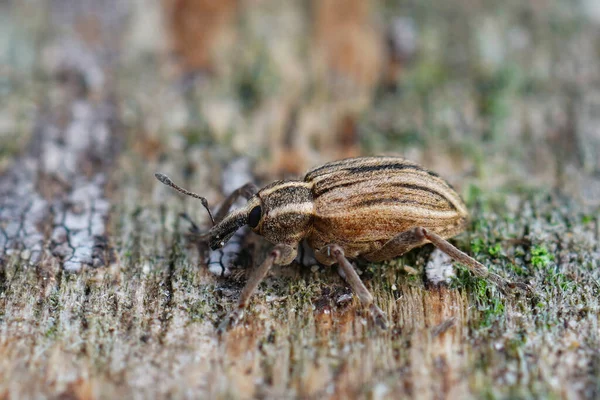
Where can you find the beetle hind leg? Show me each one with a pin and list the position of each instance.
(476, 268)
(363, 294)
(400, 244)
(418, 236)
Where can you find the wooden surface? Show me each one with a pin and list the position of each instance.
(102, 295)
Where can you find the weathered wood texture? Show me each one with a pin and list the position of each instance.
(102, 295)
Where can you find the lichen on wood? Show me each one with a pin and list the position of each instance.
(56, 189)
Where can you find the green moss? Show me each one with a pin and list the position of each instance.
(540, 257)
(517, 269)
(586, 219)
(490, 307)
(51, 332)
(198, 311)
(489, 304)
(477, 245)
(495, 250)
(561, 281)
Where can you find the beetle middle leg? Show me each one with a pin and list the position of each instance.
(398, 245)
(282, 254)
(363, 294)
(246, 191)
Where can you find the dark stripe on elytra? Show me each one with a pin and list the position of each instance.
(345, 165)
(338, 165)
(324, 190)
(381, 167)
(389, 197)
(356, 171)
(426, 189)
(397, 166)
(333, 165)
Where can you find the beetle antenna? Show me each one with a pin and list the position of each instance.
(167, 181)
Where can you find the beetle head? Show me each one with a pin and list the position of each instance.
(226, 228)
(282, 212)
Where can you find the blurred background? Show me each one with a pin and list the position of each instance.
(495, 96)
(499, 94)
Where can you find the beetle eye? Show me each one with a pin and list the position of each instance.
(254, 217)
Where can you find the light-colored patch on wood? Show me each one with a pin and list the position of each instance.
(439, 268)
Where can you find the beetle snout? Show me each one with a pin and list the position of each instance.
(226, 228)
(216, 243)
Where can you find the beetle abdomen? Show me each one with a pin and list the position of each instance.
(372, 199)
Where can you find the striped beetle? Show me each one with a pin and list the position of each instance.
(377, 208)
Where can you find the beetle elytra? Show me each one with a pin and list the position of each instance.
(377, 208)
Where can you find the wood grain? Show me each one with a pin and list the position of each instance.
(140, 321)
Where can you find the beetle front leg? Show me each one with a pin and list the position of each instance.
(246, 191)
(364, 296)
(282, 254)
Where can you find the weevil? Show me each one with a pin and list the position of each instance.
(375, 208)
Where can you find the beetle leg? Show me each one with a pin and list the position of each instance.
(282, 254)
(194, 229)
(418, 236)
(395, 247)
(246, 191)
(477, 268)
(364, 296)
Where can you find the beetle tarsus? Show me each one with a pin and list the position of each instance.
(231, 321)
(523, 287)
(378, 316)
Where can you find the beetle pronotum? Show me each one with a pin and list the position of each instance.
(377, 208)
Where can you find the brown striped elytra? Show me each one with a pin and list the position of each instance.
(375, 208)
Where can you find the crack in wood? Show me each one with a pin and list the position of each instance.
(22, 210)
(59, 182)
(166, 313)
